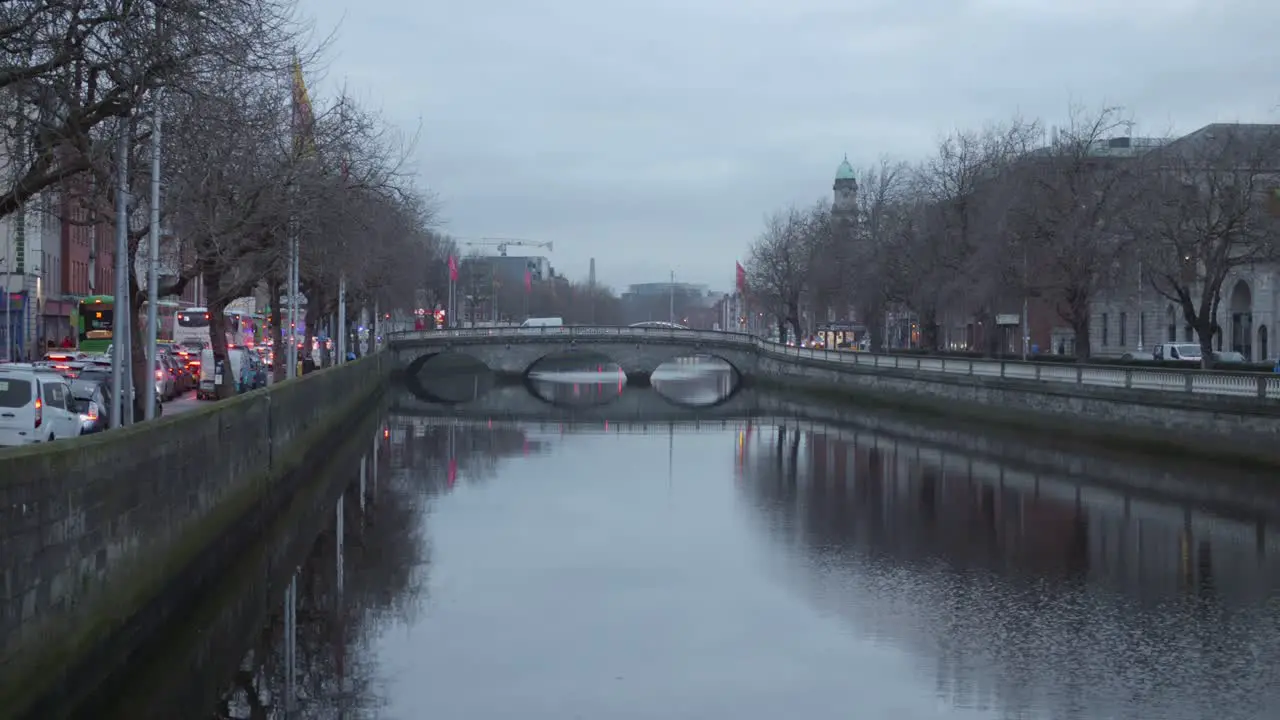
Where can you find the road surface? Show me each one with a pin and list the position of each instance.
(183, 403)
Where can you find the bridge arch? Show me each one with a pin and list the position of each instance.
(413, 379)
(587, 355)
(415, 366)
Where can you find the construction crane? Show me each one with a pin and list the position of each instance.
(501, 244)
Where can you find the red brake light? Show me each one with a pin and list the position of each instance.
(39, 412)
(159, 374)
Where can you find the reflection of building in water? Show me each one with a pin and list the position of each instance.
(579, 389)
(436, 453)
(917, 503)
(695, 380)
(1036, 595)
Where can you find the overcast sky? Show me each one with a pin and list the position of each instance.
(655, 135)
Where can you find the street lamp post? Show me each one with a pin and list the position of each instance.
(153, 265)
(119, 351)
(671, 308)
(8, 314)
(1141, 315)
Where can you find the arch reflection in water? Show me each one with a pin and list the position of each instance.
(579, 379)
(1032, 597)
(451, 378)
(440, 455)
(695, 380)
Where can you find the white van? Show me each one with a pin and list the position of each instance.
(237, 364)
(549, 322)
(35, 406)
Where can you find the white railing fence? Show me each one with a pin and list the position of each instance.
(1194, 381)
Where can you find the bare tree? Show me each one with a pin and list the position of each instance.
(244, 167)
(779, 267)
(962, 184)
(918, 267)
(1068, 225)
(363, 220)
(73, 65)
(1205, 212)
(883, 204)
(229, 192)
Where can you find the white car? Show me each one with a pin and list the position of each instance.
(35, 406)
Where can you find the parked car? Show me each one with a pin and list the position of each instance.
(165, 382)
(236, 363)
(187, 360)
(35, 406)
(1181, 352)
(178, 372)
(257, 374)
(90, 401)
(101, 376)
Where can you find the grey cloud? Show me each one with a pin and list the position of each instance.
(656, 135)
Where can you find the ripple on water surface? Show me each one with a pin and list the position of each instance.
(779, 567)
(794, 569)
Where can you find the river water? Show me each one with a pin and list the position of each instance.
(487, 568)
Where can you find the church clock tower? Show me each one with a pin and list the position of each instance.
(844, 206)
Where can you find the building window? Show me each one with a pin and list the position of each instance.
(1104, 330)
(1124, 331)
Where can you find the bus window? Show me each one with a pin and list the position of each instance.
(96, 323)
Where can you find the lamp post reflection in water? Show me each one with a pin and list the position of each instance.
(291, 643)
(339, 617)
(373, 491)
(338, 532)
(364, 471)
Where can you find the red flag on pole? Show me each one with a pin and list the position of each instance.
(528, 281)
(741, 279)
(453, 472)
(453, 269)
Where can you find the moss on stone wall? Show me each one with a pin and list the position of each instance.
(60, 644)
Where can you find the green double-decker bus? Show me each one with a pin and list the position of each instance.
(96, 323)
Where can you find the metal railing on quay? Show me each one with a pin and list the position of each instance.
(1191, 380)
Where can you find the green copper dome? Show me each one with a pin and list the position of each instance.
(845, 171)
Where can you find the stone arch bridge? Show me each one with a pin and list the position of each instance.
(516, 351)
